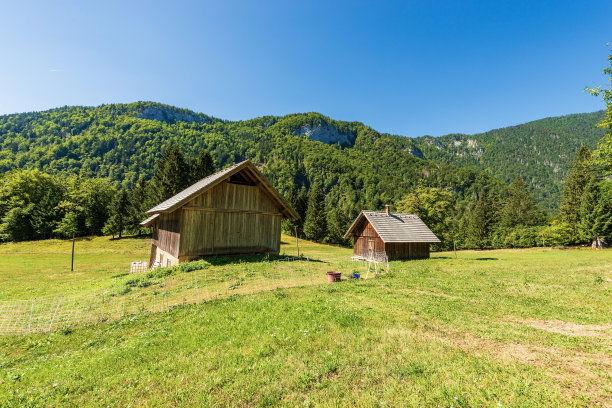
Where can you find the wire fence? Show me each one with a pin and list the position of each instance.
(146, 292)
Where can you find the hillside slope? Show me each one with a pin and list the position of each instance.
(357, 166)
(541, 151)
(426, 334)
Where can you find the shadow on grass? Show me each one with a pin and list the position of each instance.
(255, 258)
(486, 259)
(142, 236)
(441, 257)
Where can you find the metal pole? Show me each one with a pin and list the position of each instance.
(165, 298)
(454, 248)
(543, 239)
(72, 261)
(53, 318)
(31, 312)
(195, 276)
(297, 242)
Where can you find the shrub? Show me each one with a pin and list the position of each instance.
(559, 234)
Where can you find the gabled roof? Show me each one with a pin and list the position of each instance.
(394, 227)
(245, 170)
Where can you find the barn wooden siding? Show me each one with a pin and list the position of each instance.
(168, 233)
(228, 219)
(407, 250)
(368, 238)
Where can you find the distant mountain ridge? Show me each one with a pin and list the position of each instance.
(354, 162)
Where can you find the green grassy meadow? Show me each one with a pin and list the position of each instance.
(508, 328)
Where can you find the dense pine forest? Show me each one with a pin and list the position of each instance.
(83, 171)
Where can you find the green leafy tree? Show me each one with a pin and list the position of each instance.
(28, 201)
(118, 214)
(315, 225)
(73, 221)
(602, 156)
(93, 196)
(201, 166)
(596, 212)
(435, 208)
(573, 190)
(520, 209)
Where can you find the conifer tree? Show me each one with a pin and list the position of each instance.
(137, 204)
(315, 224)
(290, 226)
(573, 190)
(520, 209)
(337, 224)
(118, 212)
(595, 212)
(201, 166)
(481, 221)
(171, 175)
(298, 200)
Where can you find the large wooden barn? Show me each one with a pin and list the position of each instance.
(400, 236)
(234, 211)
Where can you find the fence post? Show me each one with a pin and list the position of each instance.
(165, 298)
(54, 314)
(31, 312)
(195, 276)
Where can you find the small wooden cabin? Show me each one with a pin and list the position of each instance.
(400, 236)
(234, 211)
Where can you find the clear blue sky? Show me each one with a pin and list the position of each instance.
(409, 68)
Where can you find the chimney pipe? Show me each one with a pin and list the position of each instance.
(387, 208)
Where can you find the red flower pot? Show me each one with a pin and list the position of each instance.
(333, 276)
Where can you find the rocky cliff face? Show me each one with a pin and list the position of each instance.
(167, 115)
(326, 134)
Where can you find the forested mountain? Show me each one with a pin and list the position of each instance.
(541, 151)
(355, 166)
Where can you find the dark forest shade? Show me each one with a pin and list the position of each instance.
(234, 211)
(400, 236)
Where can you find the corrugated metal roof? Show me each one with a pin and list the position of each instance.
(179, 199)
(149, 220)
(395, 227)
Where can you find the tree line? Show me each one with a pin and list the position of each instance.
(37, 205)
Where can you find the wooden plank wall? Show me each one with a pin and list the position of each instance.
(361, 244)
(169, 232)
(401, 250)
(230, 219)
(408, 250)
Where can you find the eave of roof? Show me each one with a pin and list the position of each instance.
(149, 220)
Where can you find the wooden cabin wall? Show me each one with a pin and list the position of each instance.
(367, 235)
(230, 219)
(168, 233)
(407, 250)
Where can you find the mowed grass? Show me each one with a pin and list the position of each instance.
(507, 328)
(42, 268)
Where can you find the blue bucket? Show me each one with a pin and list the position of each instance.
(356, 275)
